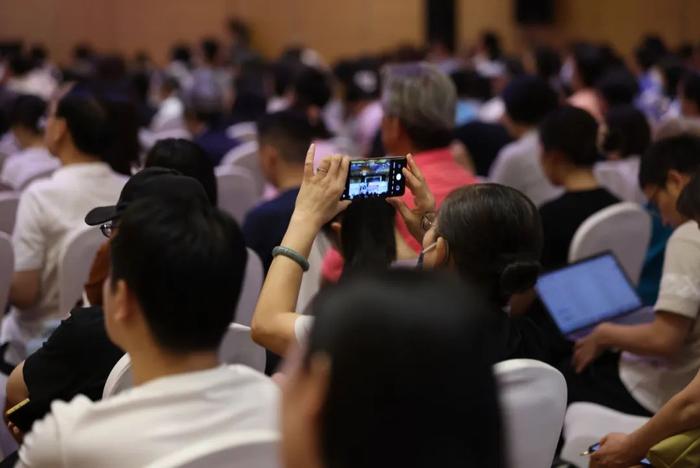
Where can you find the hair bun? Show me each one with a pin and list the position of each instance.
(519, 276)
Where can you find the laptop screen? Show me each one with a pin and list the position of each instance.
(586, 293)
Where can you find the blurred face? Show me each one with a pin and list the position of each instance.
(665, 198)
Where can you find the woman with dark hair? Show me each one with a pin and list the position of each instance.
(383, 383)
(489, 234)
(628, 137)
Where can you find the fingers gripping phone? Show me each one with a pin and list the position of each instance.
(375, 178)
(595, 447)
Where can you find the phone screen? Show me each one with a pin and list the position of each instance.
(375, 178)
(595, 447)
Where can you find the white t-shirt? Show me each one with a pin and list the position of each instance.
(652, 382)
(48, 211)
(518, 165)
(302, 328)
(27, 164)
(148, 422)
(621, 178)
(170, 116)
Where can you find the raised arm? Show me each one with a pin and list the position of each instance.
(317, 203)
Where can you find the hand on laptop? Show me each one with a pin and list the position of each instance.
(588, 349)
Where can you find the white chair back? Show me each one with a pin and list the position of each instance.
(623, 228)
(586, 423)
(252, 284)
(7, 268)
(245, 156)
(74, 265)
(119, 378)
(533, 403)
(237, 191)
(311, 281)
(8, 211)
(243, 131)
(35, 177)
(250, 449)
(238, 347)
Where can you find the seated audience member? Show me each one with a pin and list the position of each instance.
(283, 138)
(528, 100)
(689, 119)
(362, 105)
(180, 155)
(569, 150)
(617, 87)
(489, 234)
(177, 267)
(34, 159)
(545, 62)
(49, 210)
(589, 63)
(628, 137)
(482, 142)
(78, 356)
(681, 413)
(472, 91)
(659, 358)
(204, 121)
(171, 112)
(336, 413)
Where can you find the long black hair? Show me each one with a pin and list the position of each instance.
(411, 383)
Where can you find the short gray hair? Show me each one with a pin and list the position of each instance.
(420, 95)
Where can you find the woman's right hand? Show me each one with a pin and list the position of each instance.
(318, 200)
(423, 199)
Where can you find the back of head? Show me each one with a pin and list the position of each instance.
(184, 262)
(494, 237)
(181, 53)
(210, 49)
(188, 159)
(469, 84)
(363, 81)
(410, 382)
(87, 122)
(590, 62)
(26, 112)
(680, 153)
(122, 133)
(689, 200)
(618, 86)
(672, 70)
(289, 132)
(312, 88)
(629, 133)
(547, 62)
(367, 236)
(649, 51)
(690, 88)
(528, 99)
(573, 132)
(423, 99)
(491, 43)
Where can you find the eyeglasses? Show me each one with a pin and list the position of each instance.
(428, 221)
(108, 229)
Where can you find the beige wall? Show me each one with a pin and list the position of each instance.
(334, 27)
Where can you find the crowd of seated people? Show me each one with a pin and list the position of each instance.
(418, 297)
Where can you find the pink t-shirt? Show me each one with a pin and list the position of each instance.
(442, 174)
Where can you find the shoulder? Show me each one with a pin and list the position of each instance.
(688, 232)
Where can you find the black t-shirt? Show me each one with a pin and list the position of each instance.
(563, 216)
(76, 359)
(483, 140)
(521, 338)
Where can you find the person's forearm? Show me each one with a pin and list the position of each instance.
(643, 340)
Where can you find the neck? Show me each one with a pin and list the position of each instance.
(289, 178)
(519, 130)
(72, 155)
(153, 362)
(33, 142)
(579, 179)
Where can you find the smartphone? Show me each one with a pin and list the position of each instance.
(22, 415)
(594, 448)
(375, 178)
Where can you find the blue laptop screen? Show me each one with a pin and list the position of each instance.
(586, 293)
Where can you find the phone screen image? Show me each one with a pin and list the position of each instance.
(375, 178)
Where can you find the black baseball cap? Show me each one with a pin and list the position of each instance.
(154, 182)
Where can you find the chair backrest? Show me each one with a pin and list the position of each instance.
(311, 281)
(8, 211)
(245, 156)
(238, 347)
(7, 268)
(74, 264)
(252, 284)
(250, 449)
(623, 228)
(237, 191)
(243, 131)
(533, 403)
(119, 378)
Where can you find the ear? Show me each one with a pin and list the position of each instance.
(124, 302)
(676, 181)
(337, 227)
(442, 251)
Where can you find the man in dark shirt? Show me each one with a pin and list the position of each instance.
(569, 149)
(284, 138)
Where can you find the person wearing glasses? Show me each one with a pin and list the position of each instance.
(77, 133)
